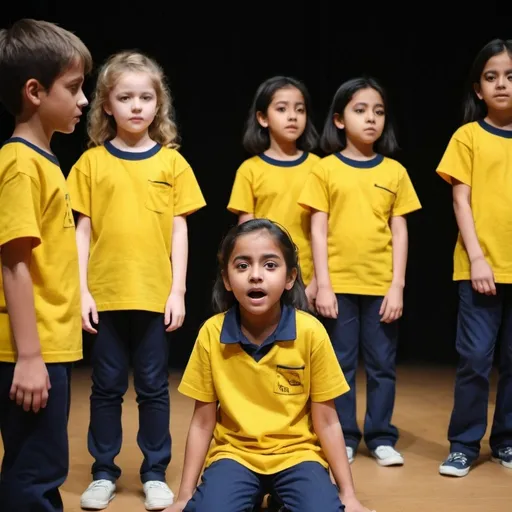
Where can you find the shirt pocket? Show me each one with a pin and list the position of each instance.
(158, 196)
(289, 380)
(383, 198)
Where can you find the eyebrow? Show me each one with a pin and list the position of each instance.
(494, 71)
(265, 257)
(366, 104)
(286, 102)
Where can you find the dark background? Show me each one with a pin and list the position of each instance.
(213, 76)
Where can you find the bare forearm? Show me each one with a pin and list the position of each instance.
(83, 242)
(400, 242)
(198, 442)
(319, 248)
(19, 296)
(466, 224)
(244, 217)
(179, 255)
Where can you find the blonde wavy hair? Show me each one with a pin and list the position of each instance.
(102, 127)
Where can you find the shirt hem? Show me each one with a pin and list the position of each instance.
(186, 390)
(130, 305)
(292, 460)
(189, 209)
(331, 394)
(361, 290)
(52, 357)
(498, 278)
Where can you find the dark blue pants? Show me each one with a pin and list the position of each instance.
(36, 454)
(481, 320)
(227, 486)
(358, 323)
(140, 336)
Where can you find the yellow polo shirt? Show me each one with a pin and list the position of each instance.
(132, 199)
(270, 188)
(360, 198)
(480, 156)
(34, 203)
(264, 391)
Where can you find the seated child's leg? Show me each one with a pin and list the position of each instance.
(306, 487)
(36, 455)
(226, 486)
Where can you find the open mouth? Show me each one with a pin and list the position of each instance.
(257, 294)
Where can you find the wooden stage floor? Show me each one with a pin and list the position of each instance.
(422, 411)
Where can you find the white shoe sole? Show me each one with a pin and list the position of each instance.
(451, 471)
(95, 504)
(507, 465)
(158, 505)
(390, 461)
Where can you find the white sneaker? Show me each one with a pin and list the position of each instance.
(98, 495)
(158, 495)
(387, 456)
(350, 454)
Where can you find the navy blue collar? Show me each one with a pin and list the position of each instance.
(286, 329)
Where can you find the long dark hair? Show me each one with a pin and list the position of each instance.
(256, 138)
(334, 140)
(474, 108)
(223, 299)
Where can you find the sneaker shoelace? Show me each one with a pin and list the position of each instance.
(458, 457)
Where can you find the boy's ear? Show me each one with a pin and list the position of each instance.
(33, 91)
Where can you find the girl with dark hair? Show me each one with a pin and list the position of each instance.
(359, 198)
(279, 136)
(478, 165)
(264, 376)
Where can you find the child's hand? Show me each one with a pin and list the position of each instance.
(352, 505)
(311, 292)
(174, 311)
(393, 304)
(89, 310)
(30, 383)
(482, 277)
(179, 506)
(326, 303)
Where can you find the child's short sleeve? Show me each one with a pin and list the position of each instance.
(315, 192)
(20, 208)
(242, 193)
(457, 160)
(406, 200)
(79, 186)
(327, 379)
(188, 197)
(197, 380)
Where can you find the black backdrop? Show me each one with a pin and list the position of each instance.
(212, 80)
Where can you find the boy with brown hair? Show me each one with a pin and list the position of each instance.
(42, 68)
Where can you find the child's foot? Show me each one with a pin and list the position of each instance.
(158, 495)
(98, 495)
(350, 454)
(503, 457)
(456, 464)
(387, 456)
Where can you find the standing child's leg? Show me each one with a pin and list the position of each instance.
(379, 344)
(501, 433)
(344, 334)
(478, 323)
(151, 380)
(36, 454)
(110, 366)
(306, 487)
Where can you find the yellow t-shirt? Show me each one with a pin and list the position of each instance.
(132, 199)
(264, 392)
(480, 155)
(269, 188)
(360, 197)
(34, 203)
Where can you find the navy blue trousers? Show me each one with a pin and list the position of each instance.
(36, 452)
(122, 336)
(227, 486)
(358, 325)
(482, 320)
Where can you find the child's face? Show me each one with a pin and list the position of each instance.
(363, 118)
(496, 83)
(133, 103)
(61, 106)
(256, 272)
(286, 115)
